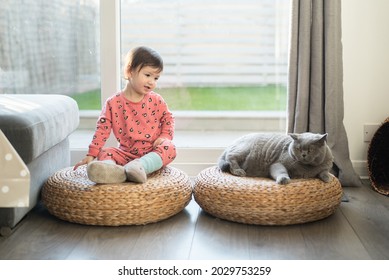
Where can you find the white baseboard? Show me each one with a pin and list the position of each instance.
(360, 167)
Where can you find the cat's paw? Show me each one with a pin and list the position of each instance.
(283, 180)
(325, 177)
(238, 172)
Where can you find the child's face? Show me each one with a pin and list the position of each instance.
(145, 80)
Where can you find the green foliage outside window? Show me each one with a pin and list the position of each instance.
(257, 98)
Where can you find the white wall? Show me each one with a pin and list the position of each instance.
(365, 26)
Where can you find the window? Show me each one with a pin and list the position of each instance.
(219, 55)
(225, 60)
(51, 47)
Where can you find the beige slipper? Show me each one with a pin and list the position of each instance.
(135, 171)
(106, 173)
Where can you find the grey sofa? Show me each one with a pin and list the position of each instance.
(38, 127)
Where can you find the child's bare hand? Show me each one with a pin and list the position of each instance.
(158, 142)
(85, 160)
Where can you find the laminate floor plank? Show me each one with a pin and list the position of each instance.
(382, 199)
(218, 239)
(368, 214)
(332, 238)
(42, 237)
(106, 243)
(329, 238)
(151, 241)
(276, 242)
(168, 239)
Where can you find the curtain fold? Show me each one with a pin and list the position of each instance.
(315, 82)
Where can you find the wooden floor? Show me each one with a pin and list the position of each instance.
(359, 229)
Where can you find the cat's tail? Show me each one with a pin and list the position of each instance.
(223, 164)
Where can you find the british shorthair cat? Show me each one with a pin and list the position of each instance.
(279, 156)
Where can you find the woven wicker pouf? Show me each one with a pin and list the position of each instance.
(71, 196)
(260, 201)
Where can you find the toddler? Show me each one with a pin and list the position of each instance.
(141, 122)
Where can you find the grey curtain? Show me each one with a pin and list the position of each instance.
(315, 86)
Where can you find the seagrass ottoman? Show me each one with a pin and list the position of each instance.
(261, 201)
(71, 196)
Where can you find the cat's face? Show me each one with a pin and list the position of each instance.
(307, 147)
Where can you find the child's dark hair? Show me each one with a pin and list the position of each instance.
(140, 57)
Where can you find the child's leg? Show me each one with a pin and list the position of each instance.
(167, 151)
(138, 169)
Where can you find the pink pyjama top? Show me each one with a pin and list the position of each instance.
(135, 125)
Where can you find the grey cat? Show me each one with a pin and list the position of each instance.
(279, 156)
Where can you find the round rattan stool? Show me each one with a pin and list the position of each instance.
(260, 201)
(378, 159)
(71, 196)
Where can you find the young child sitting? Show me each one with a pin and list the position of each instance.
(141, 122)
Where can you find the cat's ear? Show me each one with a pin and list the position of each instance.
(323, 138)
(294, 136)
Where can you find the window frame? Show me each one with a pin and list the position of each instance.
(110, 62)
